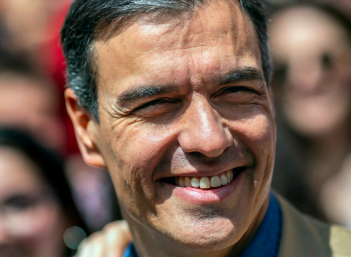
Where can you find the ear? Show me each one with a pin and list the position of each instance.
(86, 129)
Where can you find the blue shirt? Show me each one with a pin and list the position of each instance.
(264, 243)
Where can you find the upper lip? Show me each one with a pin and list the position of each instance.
(197, 173)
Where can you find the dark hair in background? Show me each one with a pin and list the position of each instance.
(88, 19)
(22, 65)
(50, 167)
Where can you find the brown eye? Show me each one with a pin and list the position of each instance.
(237, 89)
(280, 73)
(157, 107)
(326, 61)
(151, 104)
(19, 203)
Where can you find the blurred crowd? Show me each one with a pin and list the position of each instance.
(311, 49)
(49, 196)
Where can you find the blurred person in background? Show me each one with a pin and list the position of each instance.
(30, 101)
(311, 48)
(38, 217)
(343, 5)
(31, 30)
(31, 95)
(27, 22)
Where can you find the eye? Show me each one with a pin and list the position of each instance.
(280, 73)
(152, 104)
(236, 89)
(157, 106)
(19, 203)
(327, 60)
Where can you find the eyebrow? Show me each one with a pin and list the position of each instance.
(139, 92)
(246, 73)
(147, 91)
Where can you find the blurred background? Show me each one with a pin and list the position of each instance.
(311, 49)
(310, 44)
(32, 117)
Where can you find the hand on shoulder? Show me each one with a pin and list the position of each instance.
(109, 242)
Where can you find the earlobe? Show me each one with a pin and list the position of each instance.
(85, 128)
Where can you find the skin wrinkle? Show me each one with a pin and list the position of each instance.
(133, 94)
(144, 91)
(140, 92)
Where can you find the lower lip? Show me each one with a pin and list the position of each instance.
(197, 195)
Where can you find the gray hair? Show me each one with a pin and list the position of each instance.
(88, 18)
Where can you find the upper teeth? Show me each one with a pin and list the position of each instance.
(205, 182)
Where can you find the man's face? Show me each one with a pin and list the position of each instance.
(185, 97)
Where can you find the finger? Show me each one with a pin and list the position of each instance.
(98, 247)
(83, 249)
(92, 247)
(117, 237)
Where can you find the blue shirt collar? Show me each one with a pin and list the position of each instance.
(264, 243)
(266, 240)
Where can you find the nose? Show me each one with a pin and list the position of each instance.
(306, 79)
(203, 130)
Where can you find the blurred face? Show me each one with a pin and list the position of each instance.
(27, 21)
(31, 222)
(32, 105)
(312, 54)
(186, 126)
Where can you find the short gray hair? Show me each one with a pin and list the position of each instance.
(88, 18)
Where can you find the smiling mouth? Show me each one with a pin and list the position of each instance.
(205, 182)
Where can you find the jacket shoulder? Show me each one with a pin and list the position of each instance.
(301, 235)
(340, 241)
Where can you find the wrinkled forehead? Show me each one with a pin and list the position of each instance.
(217, 22)
(193, 19)
(217, 27)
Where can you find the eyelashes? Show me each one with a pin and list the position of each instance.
(237, 89)
(151, 104)
(20, 203)
(156, 107)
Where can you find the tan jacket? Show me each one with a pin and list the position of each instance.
(303, 236)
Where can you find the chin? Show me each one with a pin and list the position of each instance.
(207, 235)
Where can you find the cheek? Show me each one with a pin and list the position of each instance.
(42, 233)
(134, 153)
(258, 134)
(257, 130)
(35, 222)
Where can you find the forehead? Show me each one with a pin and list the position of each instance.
(17, 173)
(214, 38)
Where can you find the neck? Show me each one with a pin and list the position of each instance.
(150, 243)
